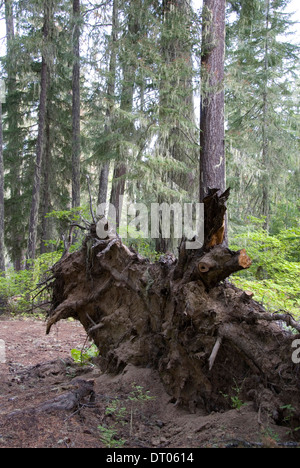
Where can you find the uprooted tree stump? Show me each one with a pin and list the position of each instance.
(205, 337)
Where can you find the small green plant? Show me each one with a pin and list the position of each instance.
(139, 395)
(236, 402)
(84, 356)
(108, 437)
(120, 411)
(115, 408)
(269, 434)
(290, 412)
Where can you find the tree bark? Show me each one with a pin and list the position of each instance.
(126, 105)
(33, 221)
(118, 190)
(103, 183)
(70, 401)
(45, 234)
(212, 138)
(104, 173)
(265, 124)
(2, 246)
(14, 144)
(76, 107)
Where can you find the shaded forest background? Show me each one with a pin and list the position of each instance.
(102, 100)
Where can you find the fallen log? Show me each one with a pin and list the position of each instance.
(182, 317)
(69, 401)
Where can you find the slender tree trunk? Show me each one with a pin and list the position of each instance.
(103, 183)
(104, 173)
(265, 143)
(212, 153)
(2, 253)
(118, 190)
(46, 185)
(129, 70)
(177, 95)
(14, 142)
(33, 222)
(76, 107)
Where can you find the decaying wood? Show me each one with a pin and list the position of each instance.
(214, 217)
(202, 334)
(220, 263)
(69, 401)
(214, 261)
(79, 392)
(247, 295)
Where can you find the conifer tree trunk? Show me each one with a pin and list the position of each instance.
(2, 254)
(177, 51)
(265, 142)
(76, 107)
(212, 153)
(176, 97)
(33, 222)
(14, 141)
(126, 105)
(45, 235)
(103, 183)
(104, 173)
(118, 190)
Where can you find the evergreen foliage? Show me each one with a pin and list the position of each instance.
(262, 109)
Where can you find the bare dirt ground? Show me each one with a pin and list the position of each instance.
(39, 368)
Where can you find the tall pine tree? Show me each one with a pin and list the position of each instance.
(212, 119)
(76, 145)
(2, 245)
(261, 70)
(14, 134)
(35, 205)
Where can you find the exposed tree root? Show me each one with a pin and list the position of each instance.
(206, 337)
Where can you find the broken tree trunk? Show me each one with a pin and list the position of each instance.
(204, 336)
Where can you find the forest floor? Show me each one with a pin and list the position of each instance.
(39, 368)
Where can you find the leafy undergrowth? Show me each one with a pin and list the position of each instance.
(275, 271)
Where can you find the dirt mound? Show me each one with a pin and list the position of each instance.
(131, 409)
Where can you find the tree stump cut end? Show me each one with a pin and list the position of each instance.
(244, 260)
